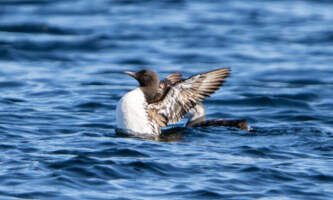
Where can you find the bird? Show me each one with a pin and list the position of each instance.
(155, 104)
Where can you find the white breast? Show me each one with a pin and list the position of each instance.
(131, 114)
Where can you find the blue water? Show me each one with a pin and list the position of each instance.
(60, 83)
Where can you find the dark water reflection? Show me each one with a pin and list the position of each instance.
(60, 64)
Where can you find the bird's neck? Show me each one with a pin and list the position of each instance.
(151, 93)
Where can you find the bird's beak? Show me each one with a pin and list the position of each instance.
(130, 73)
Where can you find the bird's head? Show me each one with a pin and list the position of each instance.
(146, 78)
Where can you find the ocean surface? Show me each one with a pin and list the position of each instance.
(60, 81)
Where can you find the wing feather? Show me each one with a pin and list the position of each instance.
(170, 80)
(174, 78)
(185, 94)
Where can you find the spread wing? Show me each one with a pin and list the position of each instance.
(174, 78)
(184, 95)
(171, 79)
(165, 85)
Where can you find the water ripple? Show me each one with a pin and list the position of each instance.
(60, 81)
